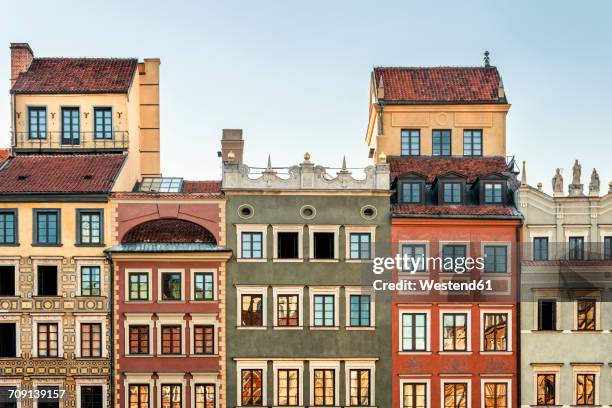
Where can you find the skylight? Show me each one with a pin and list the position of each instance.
(161, 184)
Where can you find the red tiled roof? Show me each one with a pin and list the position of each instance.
(76, 75)
(204, 186)
(4, 154)
(440, 84)
(60, 173)
(432, 167)
(569, 263)
(169, 231)
(469, 210)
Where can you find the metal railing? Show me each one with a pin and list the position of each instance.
(117, 140)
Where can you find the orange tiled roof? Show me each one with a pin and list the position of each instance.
(432, 167)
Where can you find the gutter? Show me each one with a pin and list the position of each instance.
(111, 306)
(518, 309)
(459, 216)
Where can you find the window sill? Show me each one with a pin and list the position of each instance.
(90, 245)
(204, 355)
(90, 297)
(324, 328)
(138, 355)
(358, 260)
(138, 302)
(251, 328)
(587, 331)
(313, 260)
(10, 245)
(456, 353)
(103, 358)
(203, 301)
(414, 353)
(48, 245)
(170, 355)
(496, 353)
(288, 328)
(251, 260)
(358, 328)
(47, 296)
(546, 331)
(289, 260)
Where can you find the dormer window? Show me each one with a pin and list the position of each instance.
(493, 193)
(451, 193)
(411, 192)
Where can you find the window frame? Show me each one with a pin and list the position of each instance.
(468, 389)
(312, 229)
(441, 134)
(324, 291)
(172, 383)
(454, 245)
(71, 132)
(507, 249)
(415, 381)
(93, 353)
(537, 254)
(203, 383)
(213, 330)
(138, 339)
(181, 333)
(468, 334)
(128, 292)
(38, 132)
(555, 376)
(160, 275)
(333, 366)
(472, 133)
(349, 395)
(47, 348)
(277, 387)
(252, 291)
(252, 228)
(95, 123)
(128, 388)
(100, 272)
(607, 247)
(408, 135)
(58, 227)
(595, 301)
(15, 213)
(452, 183)
(80, 212)
(263, 389)
(57, 278)
(573, 254)
(348, 230)
(506, 382)
(502, 192)
(80, 384)
(349, 292)
(427, 331)
(205, 272)
(508, 334)
(555, 317)
(401, 184)
(14, 264)
(414, 245)
(288, 291)
(595, 383)
(299, 229)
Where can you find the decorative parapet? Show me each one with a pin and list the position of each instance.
(305, 176)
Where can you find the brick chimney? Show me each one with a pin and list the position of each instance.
(21, 58)
(231, 141)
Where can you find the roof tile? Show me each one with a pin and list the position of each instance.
(466, 210)
(433, 167)
(169, 231)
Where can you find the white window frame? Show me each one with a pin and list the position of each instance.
(159, 284)
(468, 339)
(427, 383)
(299, 228)
(127, 272)
(325, 365)
(170, 319)
(14, 262)
(171, 378)
(288, 290)
(251, 365)
(98, 318)
(509, 391)
(358, 290)
(12, 382)
(585, 369)
(547, 369)
(46, 318)
(357, 229)
(335, 229)
(208, 319)
(401, 244)
(192, 273)
(263, 228)
(93, 261)
(84, 382)
(445, 381)
(509, 328)
(138, 378)
(289, 365)
(324, 290)
(586, 294)
(16, 319)
(357, 365)
(549, 237)
(204, 378)
(252, 290)
(427, 313)
(51, 382)
(509, 256)
(547, 294)
(137, 319)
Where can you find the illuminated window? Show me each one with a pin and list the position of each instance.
(495, 331)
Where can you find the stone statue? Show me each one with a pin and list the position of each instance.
(594, 185)
(557, 182)
(577, 170)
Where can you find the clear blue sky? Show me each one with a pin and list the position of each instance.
(295, 75)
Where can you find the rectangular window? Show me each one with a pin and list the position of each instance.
(171, 285)
(288, 387)
(585, 389)
(496, 258)
(8, 340)
(204, 287)
(576, 248)
(47, 280)
(411, 193)
(414, 332)
(171, 396)
(7, 397)
(91, 340)
(324, 313)
(7, 280)
(361, 246)
(139, 396)
(496, 395)
(70, 126)
(47, 227)
(139, 339)
(540, 249)
(360, 310)
(324, 387)
(607, 248)
(251, 245)
(441, 143)
(204, 339)
(92, 396)
(413, 257)
(360, 387)
(586, 314)
(288, 245)
(8, 227)
(414, 395)
(546, 389)
(493, 193)
(205, 396)
(139, 286)
(103, 123)
(472, 142)
(455, 395)
(252, 388)
(48, 398)
(411, 142)
(37, 123)
(287, 310)
(455, 331)
(547, 314)
(451, 193)
(47, 339)
(495, 332)
(324, 245)
(90, 227)
(171, 339)
(455, 253)
(252, 311)
(90, 281)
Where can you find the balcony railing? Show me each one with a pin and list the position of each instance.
(66, 141)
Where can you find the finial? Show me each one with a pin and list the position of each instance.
(487, 60)
(344, 163)
(269, 167)
(306, 156)
(382, 158)
(540, 185)
(524, 175)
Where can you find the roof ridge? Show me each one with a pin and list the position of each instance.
(88, 58)
(434, 67)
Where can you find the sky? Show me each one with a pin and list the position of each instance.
(295, 75)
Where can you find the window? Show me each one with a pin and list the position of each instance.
(585, 389)
(205, 396)
(139, 339)
(324, 387)
(324, 313)
(496, 395)
(586, 314)
(47, 280)
(90, 227)
(324, 244)
(472, 142)
(441, 143)
(607, 247)
(50, 400)
(576, 248)
(414, 332)
(547, 314)
(204, 339)
(139, 286)
(7, 397)
(361, 245)
(453, 255)
(103, 123)
(47, 340)
(360, 310)
(455, 395)
(495, 332)
(91, 340)
(204, 286)
(288, 245)
(252, 310)
(7, 280)
(252, 387)
(411, 142)
(70, 126)
(411, 192)
(171, 339)
(287, 310)
(540, 249)
(546, 389)
(8, 227)
(37, 123)
(161, 184)
(493, 193)
(92, 396)
(413, 255)
(455, 332)
(414, 395)
(90, 281)
(171, 396)
(288, 387)
(171, 285)
(496, 258)
(251, 246)
(47, 227)
(360, 387)
(8, 340)
(451, 193)
(139, 396)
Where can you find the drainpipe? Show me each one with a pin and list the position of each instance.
(518, 310)
(111, 305)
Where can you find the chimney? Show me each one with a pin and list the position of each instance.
(21, 58)
(231, 141)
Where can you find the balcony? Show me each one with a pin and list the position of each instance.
(54, 142)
